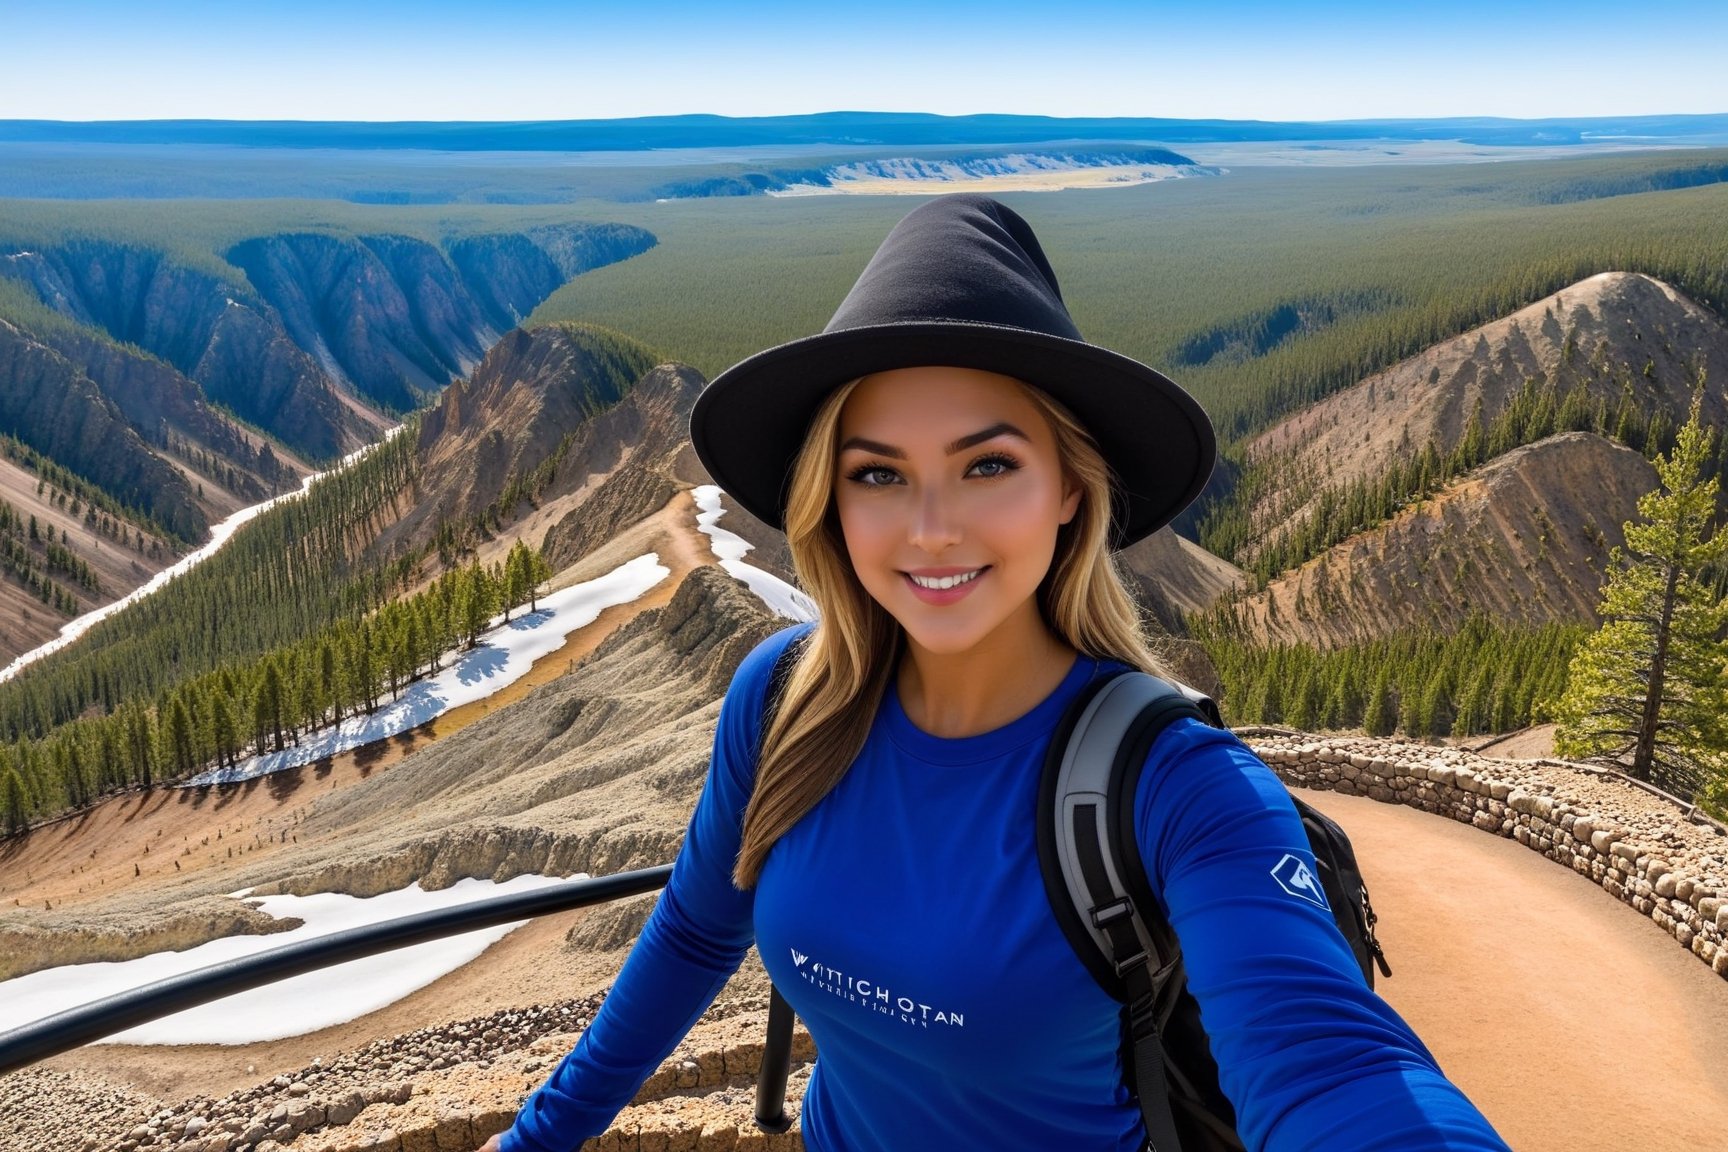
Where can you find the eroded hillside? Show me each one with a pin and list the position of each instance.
(1524, 539)
(1621, 343)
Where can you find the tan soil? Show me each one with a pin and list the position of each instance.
(1572, 1022)
(1533, 743)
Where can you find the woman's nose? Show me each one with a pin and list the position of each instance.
(935, 525)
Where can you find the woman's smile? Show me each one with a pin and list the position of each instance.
(950, 492)
(943, 587)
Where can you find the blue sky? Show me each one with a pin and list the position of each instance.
(531, 60)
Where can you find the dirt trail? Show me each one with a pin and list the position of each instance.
(1571, 1021)
(164, 840)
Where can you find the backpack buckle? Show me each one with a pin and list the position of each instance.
(1104, 915)
(1115, 920)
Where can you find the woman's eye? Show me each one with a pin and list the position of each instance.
(873, 476)
(993, 466)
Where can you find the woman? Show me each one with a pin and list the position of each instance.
(952, 465)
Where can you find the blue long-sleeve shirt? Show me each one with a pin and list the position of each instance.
(905, 919)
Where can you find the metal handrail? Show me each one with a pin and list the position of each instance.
(77, 1026)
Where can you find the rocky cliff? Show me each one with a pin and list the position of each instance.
(213, 331)
(545, 422)
(396, 319)
(48, 402)
(302, 318)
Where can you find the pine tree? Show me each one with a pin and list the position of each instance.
(12, 801)
(475, 596)
(1648, 688)
(516, 577)
(539, 571)
(268, 706)
(224, 729)
(176, 736)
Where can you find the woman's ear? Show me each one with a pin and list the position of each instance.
(1071, 493)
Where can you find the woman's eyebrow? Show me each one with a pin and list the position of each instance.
(880, 449)
(1003, 428)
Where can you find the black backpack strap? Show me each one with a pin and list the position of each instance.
(1119, 933)
(1346, 891)
(777, 1046)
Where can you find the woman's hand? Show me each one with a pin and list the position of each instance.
(493, 1145)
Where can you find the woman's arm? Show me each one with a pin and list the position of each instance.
(1308, 1054)
(692, 943)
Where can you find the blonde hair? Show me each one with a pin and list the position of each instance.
(831, 695)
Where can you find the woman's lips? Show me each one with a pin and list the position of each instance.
(945, 595)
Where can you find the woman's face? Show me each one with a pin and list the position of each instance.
(950, 491)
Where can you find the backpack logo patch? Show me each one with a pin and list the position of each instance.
(798, 958)
(1295, 877)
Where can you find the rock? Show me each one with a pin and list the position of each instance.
(1666, 886)
(343, 1109)
(303, 1115)
(420, 1140)
(454, 1134)
(298, 1088)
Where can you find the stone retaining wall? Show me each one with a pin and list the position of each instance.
(1647, 850)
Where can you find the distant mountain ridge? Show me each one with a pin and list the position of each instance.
(848, 129)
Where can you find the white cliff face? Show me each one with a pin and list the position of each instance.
(1024, 171)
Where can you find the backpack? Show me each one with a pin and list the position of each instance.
(1098, 890)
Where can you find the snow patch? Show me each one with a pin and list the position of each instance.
(729, 549)
(504, 657)
(291, 1007)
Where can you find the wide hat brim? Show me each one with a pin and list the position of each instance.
(749, 424)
